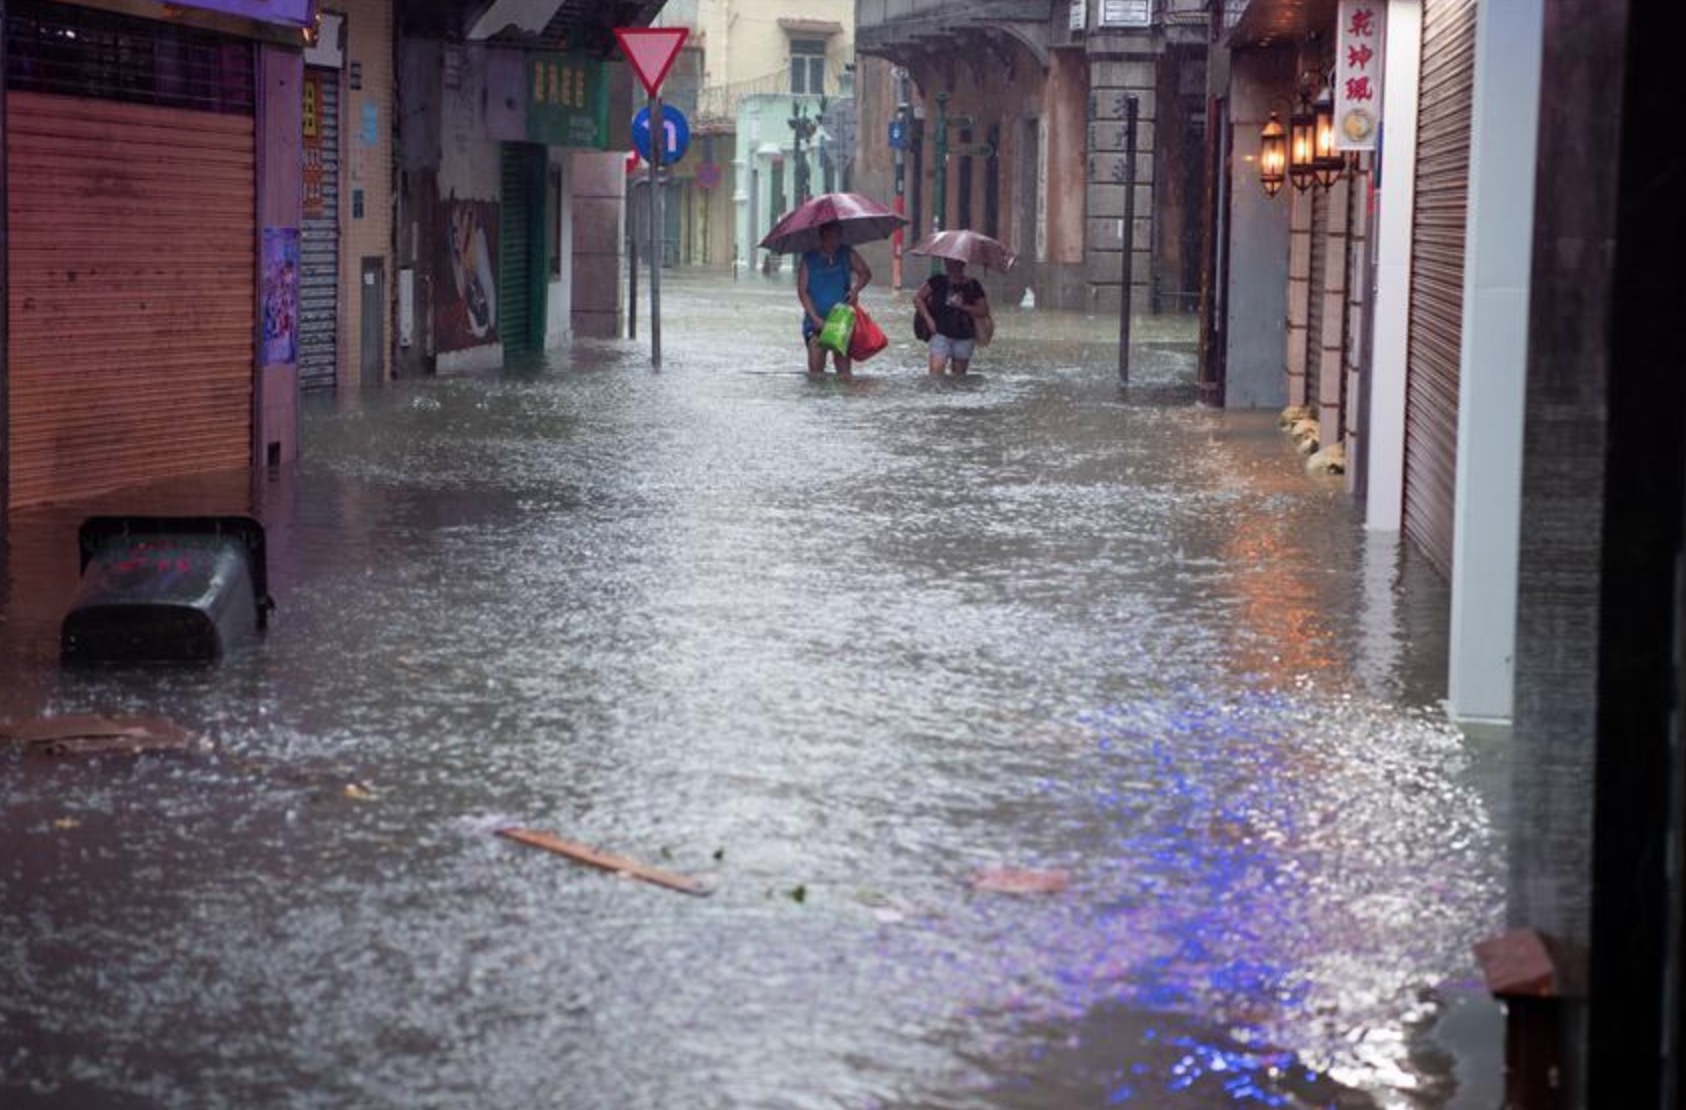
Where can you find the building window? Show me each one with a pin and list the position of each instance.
(807, 66)
(1126, 13)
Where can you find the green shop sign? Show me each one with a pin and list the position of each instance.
(567, 101)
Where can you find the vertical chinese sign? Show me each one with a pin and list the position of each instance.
(1358, 73)
(315, 195)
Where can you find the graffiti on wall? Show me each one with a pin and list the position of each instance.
(466, 308)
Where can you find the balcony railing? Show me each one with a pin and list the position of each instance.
(876, 13)
(718, 104)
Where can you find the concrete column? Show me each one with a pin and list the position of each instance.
(559, 315)
(1504, 141)
(1299, 293)
(1330, 363)
(1062, 277)
(1384, 505)
(598, 200)
(1256, 304)
(1112, 82)
(280, 201)
(1357, 306)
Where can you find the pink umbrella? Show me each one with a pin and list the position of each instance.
(861, 220)
(969, 247)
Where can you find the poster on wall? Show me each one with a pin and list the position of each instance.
(280, 295)
(466, 307)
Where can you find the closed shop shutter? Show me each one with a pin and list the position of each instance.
(132, 260)
(1437, 275)
(515, 258)
(319, 233)
(1314, 309)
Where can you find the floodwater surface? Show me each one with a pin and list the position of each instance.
(837, 649)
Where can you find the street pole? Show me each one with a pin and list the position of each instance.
(939, 203)
(631, 274)
(896, 237)
(1127, 239)
(658, 149)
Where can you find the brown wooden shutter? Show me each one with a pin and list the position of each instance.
(132, 261)
(1445, 108)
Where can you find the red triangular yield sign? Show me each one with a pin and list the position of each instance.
(651, 50)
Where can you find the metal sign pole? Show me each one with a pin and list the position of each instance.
(1127, 239)
(658, 149)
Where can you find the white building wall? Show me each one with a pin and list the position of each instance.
(1384, 506)
(1493, 362)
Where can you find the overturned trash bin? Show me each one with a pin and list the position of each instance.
(166, 590)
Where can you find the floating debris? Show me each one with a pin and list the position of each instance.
(1008, 880)
(619, 865)
(1328, 460)
(87, 734)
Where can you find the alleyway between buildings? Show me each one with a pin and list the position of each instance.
(855, 655)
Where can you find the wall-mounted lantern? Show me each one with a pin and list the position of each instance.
(1327, 163)
(1302, 147)
(1273, 155)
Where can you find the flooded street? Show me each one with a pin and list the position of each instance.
(833, 648)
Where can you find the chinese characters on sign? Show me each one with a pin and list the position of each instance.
(315, 195)
(1358, 73)
(567, 101)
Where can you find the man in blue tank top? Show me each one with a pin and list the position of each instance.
(826, 277)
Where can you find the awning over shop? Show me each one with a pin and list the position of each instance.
(292, 13)
(821, 27)
(1279, 22)
(586, 25)
(938, 27)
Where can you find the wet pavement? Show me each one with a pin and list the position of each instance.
(835, 649)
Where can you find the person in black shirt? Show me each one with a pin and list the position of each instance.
(950, 306)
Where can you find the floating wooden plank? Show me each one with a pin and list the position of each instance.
(619, 865)
(91, 734)
(1009, 880)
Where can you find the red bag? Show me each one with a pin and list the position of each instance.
(868, 339)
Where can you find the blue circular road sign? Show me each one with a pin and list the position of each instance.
(678, 134)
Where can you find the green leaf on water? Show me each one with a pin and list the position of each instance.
(799, 894)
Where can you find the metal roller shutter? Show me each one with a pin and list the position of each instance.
(319, 234)
(518, 229)
(1437, 275)
(133, 293)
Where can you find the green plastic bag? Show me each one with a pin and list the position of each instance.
(839, 326)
